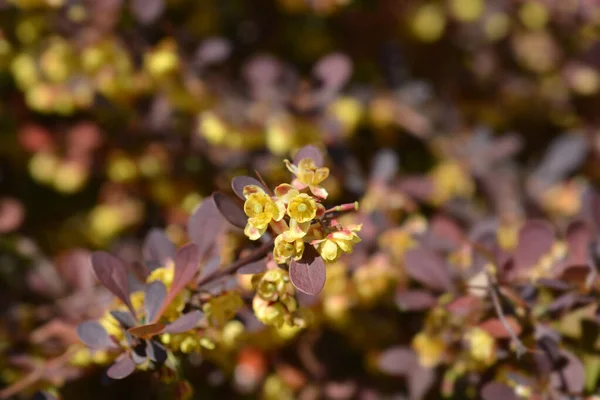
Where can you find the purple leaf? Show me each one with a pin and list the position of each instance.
(239, 182)
(230, 209)
(579, 237)
(308, 274)
(564, 156)
(385, 165)
(125, 319)
(154, 296)
(156, 351)
(158, 249)
(311, 152)
(420, 380)
(76, 268)
(93, 334)
(184, 323)
(147, 11)
(535, 240)
(498, 391)
(212, 51)
(415, 300)
(112, 273)
(397, 361)
(209, 268)
(571, 377)
(333, 70)
(427, 268)
(255, 267)
(122, 368)
(204, 225)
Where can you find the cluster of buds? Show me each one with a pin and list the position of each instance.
(296, 215)
(274, 302)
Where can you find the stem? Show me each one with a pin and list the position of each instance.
(343, 208)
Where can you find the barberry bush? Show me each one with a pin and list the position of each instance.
(299, 199)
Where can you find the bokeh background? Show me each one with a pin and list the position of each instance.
(117, 116)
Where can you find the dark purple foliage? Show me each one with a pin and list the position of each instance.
(308, 274)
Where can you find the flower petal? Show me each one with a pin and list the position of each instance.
(285, 192)
(329, 250)
(280, 210)
(319, 191)
(249, 189)
(253, 232)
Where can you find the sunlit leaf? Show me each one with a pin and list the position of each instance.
(535, 240)
(147, 331)
(230, 210)
(112, 273)
(495, 327)
(122, 368)
(579, 237)
(308, 274)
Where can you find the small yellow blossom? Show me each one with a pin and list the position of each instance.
(481, 345)
(308, 175)
(302, 208)
(336, 243)
(430, 349)
(261, 209)
(223, 308)
(285, 250)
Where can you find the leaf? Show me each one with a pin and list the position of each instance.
(212, 51)
(565, 155)
(147, 331)
(158, 250)
(535, 240)
(333, 70)
(571, 376)
(210, 268)
(592, 371)
(415, 300)
(579, 238)
(184, 323)
(122, 368)
(385, 165)
(154, 296)
(255, 267)
(147, 11)
(112, 273)
(397, 361)
(204, 225)
(496, 328)
(576, 274)
(125, 319)
(156, 351)
(76, 268)
(308, 274)
(428, 268)
(240, 182)
(311, 152)
(230, 209)
(420, 380)
(498, 391)
(93, 334)
(43, 396)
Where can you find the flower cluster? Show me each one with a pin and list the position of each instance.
(296, 215)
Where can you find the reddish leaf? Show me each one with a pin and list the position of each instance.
(311, 152)
(204, 225)
(496, 328)
(122, 368)
(93, 334)
(12, 214)
(147, 11)
(464, 305)
(255, 267)
(240, 182)
(112, 273)
(154, 296)
(76, 268)
(147, 331)
(308, 274)
(158, 249)
(184, 323)
(230, 209)
(428, 268)
(415, 300)
(576, 274)
(579, 237)
(498, 391)
(535, 240)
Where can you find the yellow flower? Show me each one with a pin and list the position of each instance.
(302, 208)
(284, 250)
(261, 210)
(220, 309)
(308, 175)
(336, 243)
(430, 349)
(481, 345)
